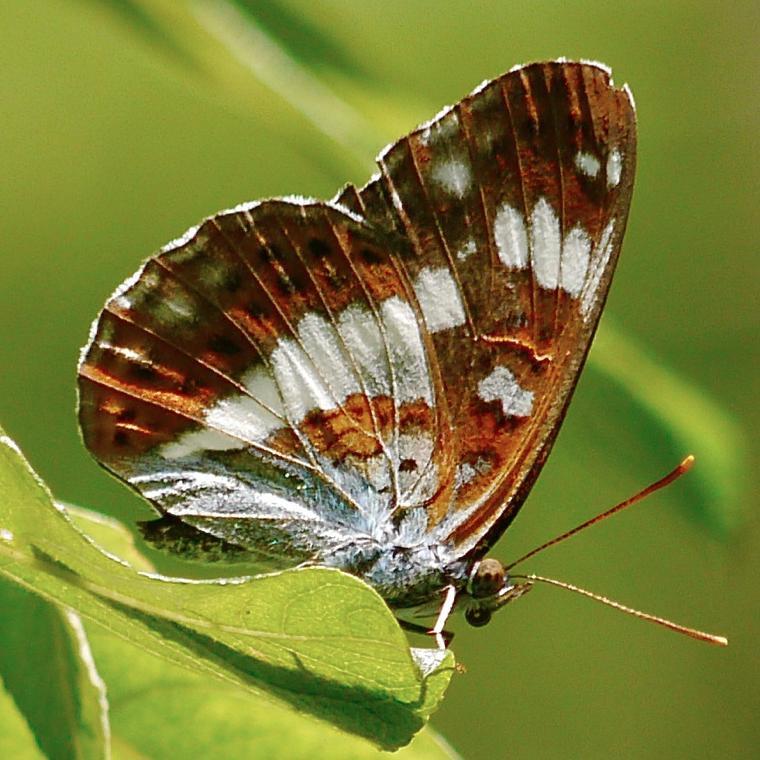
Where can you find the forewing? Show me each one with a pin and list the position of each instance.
(267, 378)
(514, 201)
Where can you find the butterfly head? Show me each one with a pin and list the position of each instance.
(488, 589)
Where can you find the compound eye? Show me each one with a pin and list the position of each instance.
(477, 616)
(488, 579)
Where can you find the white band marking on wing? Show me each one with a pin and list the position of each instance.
(587, 164)
(545, 244)
(576, 250)
(439, 299)
(407, 353)
(510, 237)
(614, 168)
(502, 386)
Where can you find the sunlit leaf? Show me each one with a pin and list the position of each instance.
(316, 639)
(162, 711)
(109, 534)
(16, 738)
(46, 667)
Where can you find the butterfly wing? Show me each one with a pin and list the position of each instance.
(518, 195)
(294, 377)
(267, 380)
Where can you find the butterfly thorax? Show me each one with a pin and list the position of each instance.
(405, 576)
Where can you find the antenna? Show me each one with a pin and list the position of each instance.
(693, 632)
(682, 468)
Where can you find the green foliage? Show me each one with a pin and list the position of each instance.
(16, 738)
(159, 710)
(315, 639)
(60, 693)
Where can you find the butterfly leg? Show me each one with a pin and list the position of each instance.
(446, 636)
(437, 630)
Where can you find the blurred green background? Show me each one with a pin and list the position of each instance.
(125, 123)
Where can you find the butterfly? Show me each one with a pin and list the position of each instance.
(373, 383)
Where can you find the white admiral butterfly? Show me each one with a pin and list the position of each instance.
(373, 383)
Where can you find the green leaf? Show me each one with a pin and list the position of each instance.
(16, 739)
(162, 711)
(687, 420)
(316, 639)
(109, 534)
(46, 666)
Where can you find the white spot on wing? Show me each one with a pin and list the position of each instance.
(602, 253)
(510, 237)
(363, 339)
(588, 164)
(407, 352)
(576, 250)
(545, 244)
(465, 473)
(502, 386)
(321, 343)
(439, 299)
(547, 248)
(177, 309)
(454, 176)
(614, 168)
(6, 535)
(302, 388)
(200, 440)
(247, 418)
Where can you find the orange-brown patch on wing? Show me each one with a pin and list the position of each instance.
(359, 430)
(339, 433)
(487, 439)
(116, 424)
(126, 357)
(190, 404)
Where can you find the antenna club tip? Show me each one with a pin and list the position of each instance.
(687, 463)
